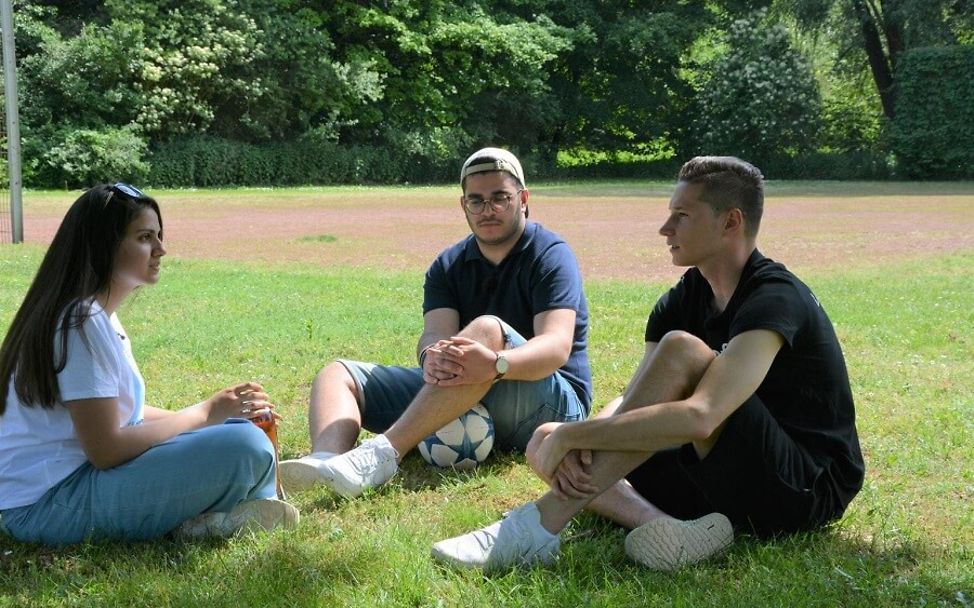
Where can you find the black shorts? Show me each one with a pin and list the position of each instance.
(756, 475)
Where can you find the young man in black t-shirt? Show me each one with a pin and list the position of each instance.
(739, 416)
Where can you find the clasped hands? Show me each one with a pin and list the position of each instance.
(457, 361)
(567, 471)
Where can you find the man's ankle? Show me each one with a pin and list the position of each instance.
(399, 450)
(554, 518)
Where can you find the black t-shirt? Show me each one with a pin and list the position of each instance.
(807, 387)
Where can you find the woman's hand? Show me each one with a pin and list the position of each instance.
(107, 443)
(247, 400)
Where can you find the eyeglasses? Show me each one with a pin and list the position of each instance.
(498, 202)
(126, 189)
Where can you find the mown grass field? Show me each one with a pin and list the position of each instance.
(899, 294)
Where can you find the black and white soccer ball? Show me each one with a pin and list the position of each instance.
(463, 443)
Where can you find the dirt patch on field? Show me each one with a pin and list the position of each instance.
(613, 232)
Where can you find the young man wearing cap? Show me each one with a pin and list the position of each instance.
(739, 416)
(505, 323)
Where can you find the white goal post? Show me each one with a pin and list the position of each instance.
(13, 182)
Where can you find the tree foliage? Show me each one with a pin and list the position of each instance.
(760, 101)
(880, 31)
(933, 130)
(414, 84)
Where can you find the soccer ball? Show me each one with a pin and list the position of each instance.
(463, 443)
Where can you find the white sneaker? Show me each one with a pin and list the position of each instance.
(369, 465)
(248, 516)
(517, 540)
(667, 544)
(303, 473)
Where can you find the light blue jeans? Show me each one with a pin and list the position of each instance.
(211, 469)
(518, 407)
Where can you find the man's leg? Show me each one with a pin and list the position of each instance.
(436, 405)
(620, 503)
(346, 396)
(519, 407)
(334, 419)
(376, 460)
(670, 373)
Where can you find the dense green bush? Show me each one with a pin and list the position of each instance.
(210, 162)
(831, 165)
(73, 158)
(811, 165)
(759, 100)
(933, 132)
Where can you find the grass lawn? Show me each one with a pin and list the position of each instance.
(907, 328)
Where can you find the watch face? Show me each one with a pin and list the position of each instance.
(501, 364)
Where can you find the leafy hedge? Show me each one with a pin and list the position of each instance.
(855, 165)
(207, 162)
(933, 132)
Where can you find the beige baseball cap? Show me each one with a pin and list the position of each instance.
(492, 159)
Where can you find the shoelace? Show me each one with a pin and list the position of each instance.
(364, 460)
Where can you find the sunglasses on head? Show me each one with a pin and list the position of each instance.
(126, 189)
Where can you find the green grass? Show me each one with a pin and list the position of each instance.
(907, 540)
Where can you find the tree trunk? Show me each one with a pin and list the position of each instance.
(880, 64)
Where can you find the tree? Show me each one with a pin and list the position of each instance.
(451, 77)
(760, 101)
(885, 29)
(618, 86)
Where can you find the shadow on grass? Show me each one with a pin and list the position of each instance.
(338, 552)
(824, 567)
(417, 475)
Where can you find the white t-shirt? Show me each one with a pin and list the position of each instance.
(38, 446)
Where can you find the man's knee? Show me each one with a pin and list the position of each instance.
(683, 349)
(335, 375)
(539, 435)
(487, 330)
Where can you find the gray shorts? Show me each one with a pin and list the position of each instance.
(518, 407)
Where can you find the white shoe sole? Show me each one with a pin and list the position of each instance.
(257, 515)
(297, 476)
(248, 516)
(338, 484)
(666, 544)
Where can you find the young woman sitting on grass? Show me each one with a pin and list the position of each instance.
(81, 456)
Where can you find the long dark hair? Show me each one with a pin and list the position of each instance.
(78, 265)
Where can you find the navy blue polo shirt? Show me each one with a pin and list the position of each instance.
(539, 274)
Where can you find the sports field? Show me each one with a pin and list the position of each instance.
(272, 284)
